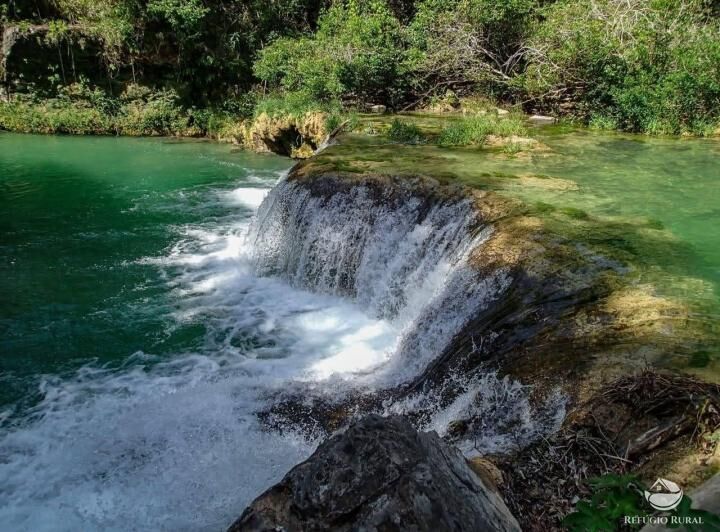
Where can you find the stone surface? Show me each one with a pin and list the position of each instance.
(379, 109)
(488, 472)
(540, 119)
(380, 474)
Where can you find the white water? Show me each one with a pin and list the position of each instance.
(325, 295)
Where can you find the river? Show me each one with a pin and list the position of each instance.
(149, 311)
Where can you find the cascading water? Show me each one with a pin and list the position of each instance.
(401, 258)
(338, 291)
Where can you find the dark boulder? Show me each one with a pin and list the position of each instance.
(380, 474)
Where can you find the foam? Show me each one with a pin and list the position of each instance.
(333, 295)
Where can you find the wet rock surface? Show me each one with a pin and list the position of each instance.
(380, 474)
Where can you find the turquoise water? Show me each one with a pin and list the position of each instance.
(138, 342)
(77, 218)
(140, 339)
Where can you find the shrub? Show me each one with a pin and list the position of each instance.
(405, 132)
(79, 110)
(644, 66)
(468, 41)
(158, 114)
(476, 130)
(358, 51)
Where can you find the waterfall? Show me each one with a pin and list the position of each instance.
(335, 290)
(411, 259)
(402, 257)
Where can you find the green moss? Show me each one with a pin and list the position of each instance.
(544, 208)
(574, 213)
(655, 224)
(699, 359)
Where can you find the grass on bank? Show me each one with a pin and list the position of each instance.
(80, 110)
(405, 132)
(466, 131)
(474, 131)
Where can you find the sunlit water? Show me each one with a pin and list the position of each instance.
(136, 341)
(651, 203)
(145, 319)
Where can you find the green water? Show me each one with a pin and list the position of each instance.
(653, 203)
(77, 216)
(137, 342)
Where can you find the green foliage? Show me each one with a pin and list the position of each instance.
(642, 66)
(113, 21)
(405, 132)
(470, 41)
(158, 114)
(603, 122)
(57, 31)
(636, 65)
(298, 104)
(475, 130)
(81, 110)
(183, 15)
(358, 51)
(615, 496)
(293, 104)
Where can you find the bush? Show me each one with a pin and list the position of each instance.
(643, 66)
(358, 51)
(405, 132)
(79, 110)
(53, 116)
(157, 114)
(476, 130)
(472, 41)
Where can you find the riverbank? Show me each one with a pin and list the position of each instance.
(287, 126)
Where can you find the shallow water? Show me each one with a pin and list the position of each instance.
(652, 203)
(146, 320)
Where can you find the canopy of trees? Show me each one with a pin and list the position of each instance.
(639, 65)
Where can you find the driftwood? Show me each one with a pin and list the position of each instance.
(604, 435)
(335, 132)
(659, 435)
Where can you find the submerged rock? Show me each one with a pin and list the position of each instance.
(380, 474)
(541, 119)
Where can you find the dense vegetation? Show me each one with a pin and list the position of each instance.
(637, 65)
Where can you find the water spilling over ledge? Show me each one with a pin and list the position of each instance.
(292, 308)
(399, 255)
(474, 286)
